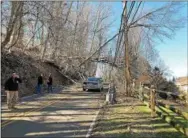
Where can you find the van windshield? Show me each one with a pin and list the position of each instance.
(92, 79)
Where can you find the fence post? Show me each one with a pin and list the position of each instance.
(107, 97)
(133, 88)
(113, 94)
(141, 95)
(108, 94)
(152, 101)
(186, 98)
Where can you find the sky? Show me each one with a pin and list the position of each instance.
(174, 52)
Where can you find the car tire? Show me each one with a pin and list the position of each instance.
(84, 89)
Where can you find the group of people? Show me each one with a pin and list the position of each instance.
(11, 88)
(40, 84)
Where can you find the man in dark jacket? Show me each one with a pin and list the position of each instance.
(39, 84)
(49, 82)
(11, 88)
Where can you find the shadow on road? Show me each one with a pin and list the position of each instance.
(69, 115)
(53, 129)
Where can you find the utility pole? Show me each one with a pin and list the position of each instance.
(126, 52)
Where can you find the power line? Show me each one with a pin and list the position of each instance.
(127, 61)
(120, 40)
(130, 10)
(120, 36)
(142, 9)
(121, 25)
(136, 11)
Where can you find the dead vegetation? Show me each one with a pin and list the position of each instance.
(29, 70)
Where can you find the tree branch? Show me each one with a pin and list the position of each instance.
(100, 48)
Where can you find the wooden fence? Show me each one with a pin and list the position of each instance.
(174, 116)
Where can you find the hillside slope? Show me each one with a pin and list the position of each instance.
(29, 70)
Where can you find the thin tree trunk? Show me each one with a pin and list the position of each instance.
(95, 29)
(35, 26)
(15, 11)
(45, 47)
(127, 70)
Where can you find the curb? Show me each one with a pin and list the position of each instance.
(93, 124)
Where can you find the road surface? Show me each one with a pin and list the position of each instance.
(65, 114)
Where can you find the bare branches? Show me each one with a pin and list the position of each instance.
(101, 47)
(161, 21)
(81, 29)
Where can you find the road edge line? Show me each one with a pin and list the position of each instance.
(93, 124)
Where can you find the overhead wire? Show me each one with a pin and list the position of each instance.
(136, 11)
(120, 40)
(120, 36)
(118, 44)
(128, 16)
(130, 10)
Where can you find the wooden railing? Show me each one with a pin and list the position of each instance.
(174, 116)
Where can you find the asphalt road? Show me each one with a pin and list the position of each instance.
(65, 114)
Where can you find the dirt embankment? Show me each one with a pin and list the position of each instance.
(28, 70)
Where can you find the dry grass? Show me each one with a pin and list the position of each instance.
(131, 119)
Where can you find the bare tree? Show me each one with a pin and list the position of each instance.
(71, 34)
(16, 15)
(158, 23)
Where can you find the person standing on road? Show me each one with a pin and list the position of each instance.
(49, 83)
(11, 88)
(40, 83)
